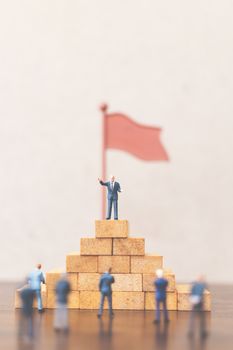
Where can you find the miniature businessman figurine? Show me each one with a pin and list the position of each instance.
(113, 189)
(62, 291)
(35, 279)
(105, 287)
(26, 320)
(196, 299)
(161, 284)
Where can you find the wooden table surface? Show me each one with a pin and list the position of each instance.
(128, 329)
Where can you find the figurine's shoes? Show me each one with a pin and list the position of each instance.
(204, 334)
(156, 321)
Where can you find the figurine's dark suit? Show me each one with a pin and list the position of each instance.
(113, 189)
(161, 297)
(105, 287)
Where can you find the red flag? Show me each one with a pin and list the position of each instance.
(121, 132)
(127, 135)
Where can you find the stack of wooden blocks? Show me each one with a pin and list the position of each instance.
(133, 270)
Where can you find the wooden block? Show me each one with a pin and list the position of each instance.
(78, 263)
(128, 300)
(119, 264)
(146, 264)
(148, 282)
(73, 300)
(171, 280)
(123, 282)
(43, 294)
(17, 302)
(89, 281)
(91, 300)
(128, 246)
(127, 282)
(120, 300)
(73, 279)
(96, 246)
(183, 293)
(150, 301)
(111, 228)
(52, 277)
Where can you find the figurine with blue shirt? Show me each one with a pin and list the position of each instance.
(113, 189)
(160, 284)
(105, 287)
(35, 278)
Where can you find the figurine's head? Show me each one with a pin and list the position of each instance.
(159, 273)
(201, 278)
(109, 270)
(38, 266)
(112, 178)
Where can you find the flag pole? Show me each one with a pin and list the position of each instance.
(104, 108)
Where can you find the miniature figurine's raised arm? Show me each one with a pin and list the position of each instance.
(102, 183)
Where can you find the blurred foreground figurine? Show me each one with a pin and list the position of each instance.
(113, 189)
(35, 279)
(62, 291)
(196, 299)
(26, 319)
(105, 287)
(161, 284)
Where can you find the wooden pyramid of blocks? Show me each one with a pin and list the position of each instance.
(133, 270)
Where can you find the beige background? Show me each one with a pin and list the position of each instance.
(164, 63)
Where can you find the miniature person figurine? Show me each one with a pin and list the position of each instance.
(161, 284)
(26, 321)
(105, 287)
(196, 299)
(62, 291)
(36, 277)
(113, 189)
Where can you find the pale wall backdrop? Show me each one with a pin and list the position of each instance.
(164, 63)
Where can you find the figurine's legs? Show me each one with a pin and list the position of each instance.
(101, 304)
(202, 316)
(157, 312)
(192, 322)
(39, 300)
(115, 203)
(165, 312)
(109, 209)
(195, 313)
(110, 304)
